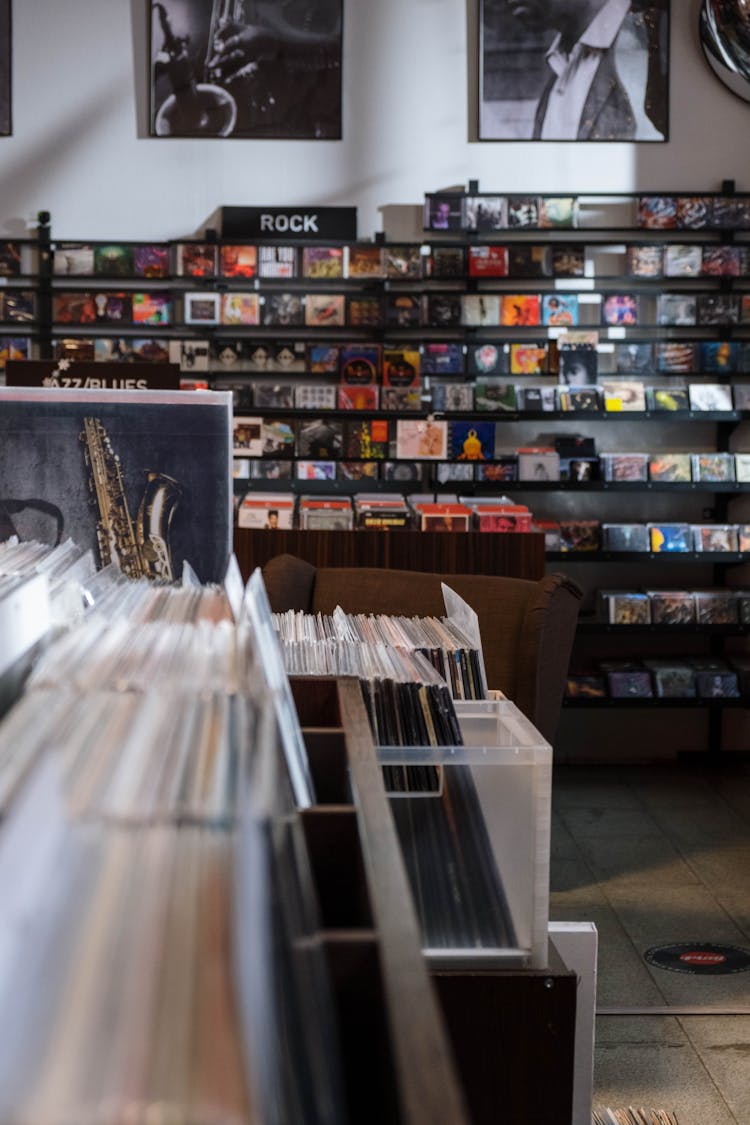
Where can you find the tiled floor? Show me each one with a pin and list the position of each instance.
(655, 855)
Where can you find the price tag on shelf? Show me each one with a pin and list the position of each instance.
(574, 283)
(590, 298)
(616, 333)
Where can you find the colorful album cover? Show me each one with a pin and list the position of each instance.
(323, 261)
(364, 312)
(73, 259)
(442, 359)
(495, 394)
(323, 310)
(580, 535)
(488, 261)
(622, 395)
(399, 399)
(403, 310)
(714, 537)
(10, 259)
(446, 263)
(238, 260)
(671, 607)
(480, 310)
(484, 212)
(191, 355)
(17, 307)
(666, 537)
(676, 309)
(625, 537)
(718, 308)
(743, 544)
(151, 260)
(366, 439)
(657, 212)
(520, 310)
(488, 359)
(113, 261)
(360, 364)
(713, 466)
(523, 211)
(721, 261)
(315, 470)
(674, 357)
(75, 348)
(277, 437)
(695, 212)
(283, 309)
(358, 470)
(620, 309)
(364, 262)
(247, 436)
(277, 261)
(529, 262)
(682, 260)
(674, 467)
(471, 441)
(584, 399)
(14, 347)
(273, 396)
(90, 308)
(320, 438)
(315, 397)
(559, 309)
(152, 308)
(271, 470)
(717, 356)
(667, 398)
(633, 359)
(645, 260)
(528, 359)
(357, 398)
(447, 397)
(421, 439)
(443, 211)
(624, 466)
(625, 608)
(401, 367)
(568, 261)
(503, 468)
(201, 308)
(710, 396)
(196, 259)
(714, 607)
(558, 211)
(444, 310)
(322, 359)
(403, 262)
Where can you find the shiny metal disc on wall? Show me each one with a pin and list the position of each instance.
(725, 38)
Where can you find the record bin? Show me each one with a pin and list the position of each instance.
(475, 833)
(25, 618)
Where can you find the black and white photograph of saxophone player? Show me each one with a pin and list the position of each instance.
(4, 68)
(246, 68)
(574, 70)
(142, 479)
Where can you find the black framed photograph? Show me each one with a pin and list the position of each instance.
(4, 68)
(562, 70)
(232, 68)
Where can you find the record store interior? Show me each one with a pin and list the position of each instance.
(375, 562)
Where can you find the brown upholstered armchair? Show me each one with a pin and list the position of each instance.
(527, 628)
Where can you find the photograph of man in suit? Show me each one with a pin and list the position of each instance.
(574, 70)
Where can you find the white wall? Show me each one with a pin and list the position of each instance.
(80, 148)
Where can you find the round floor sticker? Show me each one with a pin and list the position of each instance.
(702, 958)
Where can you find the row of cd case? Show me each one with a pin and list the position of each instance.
(661, 678)
(679, 537)
(674, 607)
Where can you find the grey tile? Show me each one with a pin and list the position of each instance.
(704, 824)
(723, 1044)
(668, 1077)
(642, 860)
(737, 906)
(573, 877)
(640, 1031)
(623, 978)
(606, 794)
(562, 844)
(598, 821)
(726, 868)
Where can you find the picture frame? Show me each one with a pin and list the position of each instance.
(628, 94)
(5, 69)
(270, 72)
